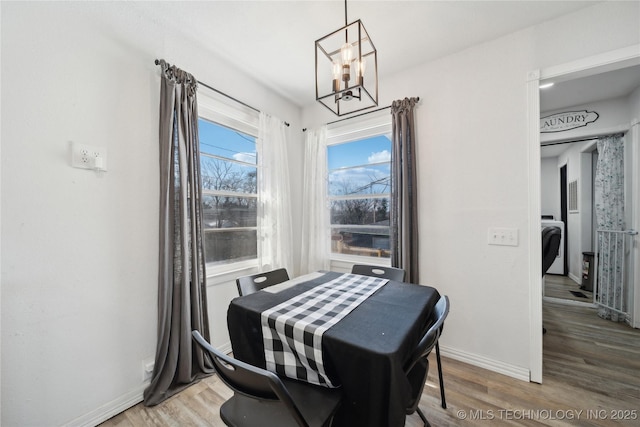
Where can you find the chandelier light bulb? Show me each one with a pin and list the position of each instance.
(346, 51)
(337, 71)
(337, 68)
(362, 66)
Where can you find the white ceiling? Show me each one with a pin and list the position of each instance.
(273, 41)
(597, 87)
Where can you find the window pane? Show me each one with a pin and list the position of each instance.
(224, 142)
(375, 179)
(229, 212)
(229, 220)
(364, 241)
(361, 212)
(361, 168)
(358, 153)
(222, 175)
(230, 246)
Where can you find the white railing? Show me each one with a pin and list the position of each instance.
(611, 287)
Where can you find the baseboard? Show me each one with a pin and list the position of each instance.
(570, 302)
(226, 348)
(516, 372)
(109, 409)
(121, 404)
(134, 397)
(576, 279)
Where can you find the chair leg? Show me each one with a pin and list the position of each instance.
(424, 419)
(444, 401)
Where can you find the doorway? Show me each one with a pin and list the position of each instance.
(598, 64)
(567, 192)
(564, 217)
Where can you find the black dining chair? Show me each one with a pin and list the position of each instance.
(391, 273)
(263, 399)
(551, 237)
(253, 283)
(418, 366)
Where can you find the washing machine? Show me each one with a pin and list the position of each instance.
(558, 265)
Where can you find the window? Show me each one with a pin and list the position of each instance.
(359, 187)
(229, 172)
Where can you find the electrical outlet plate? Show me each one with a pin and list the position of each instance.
(503, 236)
(88, 157)
(147, 368)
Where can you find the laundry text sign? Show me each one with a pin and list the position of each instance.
(566, 121)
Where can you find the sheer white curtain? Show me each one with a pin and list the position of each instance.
(274, 205)
(314, 253)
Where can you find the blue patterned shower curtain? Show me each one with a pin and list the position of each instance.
(609, 209)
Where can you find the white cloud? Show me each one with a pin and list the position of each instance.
(348, 180)
(380, 156)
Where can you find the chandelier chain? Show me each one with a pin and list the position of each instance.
(345, 13)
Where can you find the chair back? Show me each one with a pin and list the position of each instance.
(430, 338)
(550, 246)
(418, 366)
(253, 283)
(249, 380)
(391, 273)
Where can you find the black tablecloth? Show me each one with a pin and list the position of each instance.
(365, 352)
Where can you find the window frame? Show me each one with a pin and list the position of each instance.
(225, 112)
(368, 125)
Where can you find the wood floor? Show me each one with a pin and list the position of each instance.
(556, 286)
(591, 377)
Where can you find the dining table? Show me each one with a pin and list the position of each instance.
(364, 345)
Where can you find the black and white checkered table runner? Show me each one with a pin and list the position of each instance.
(292, 331)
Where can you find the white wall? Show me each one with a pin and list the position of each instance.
(79, 276)
(0, 230)
(613, 117)
(634, 105)
(577, 158)
(634, 138)
(473, 172)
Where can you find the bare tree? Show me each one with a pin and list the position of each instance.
(224, 210)
(360, 211)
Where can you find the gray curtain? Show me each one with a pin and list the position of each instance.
(404, 196)
(182, 276)
(609, 208)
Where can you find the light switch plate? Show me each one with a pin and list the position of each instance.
(503, 236)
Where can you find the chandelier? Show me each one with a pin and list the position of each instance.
(347, 69)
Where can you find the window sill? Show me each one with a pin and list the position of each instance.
(359, 259)
(221, 273)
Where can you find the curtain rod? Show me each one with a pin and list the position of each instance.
(224, 94)
(569, 141)
(361, 114)
(358, 115)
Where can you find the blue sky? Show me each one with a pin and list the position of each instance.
(225, 142)
(362, 152)
(352, 166)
